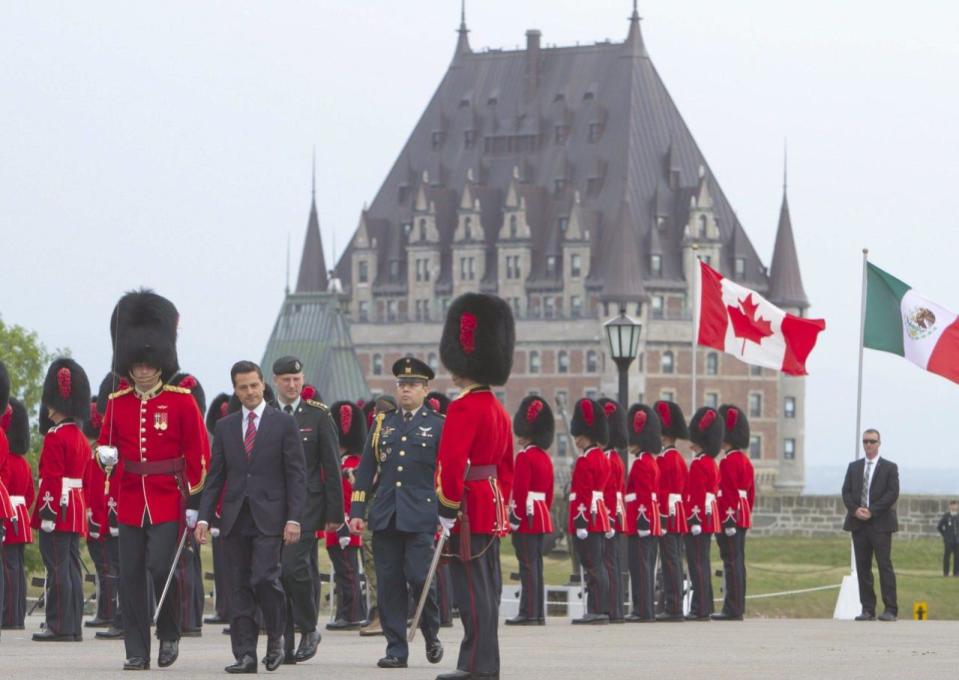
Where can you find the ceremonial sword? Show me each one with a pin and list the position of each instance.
(166, 587)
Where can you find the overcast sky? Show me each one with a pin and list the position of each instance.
(169, 144)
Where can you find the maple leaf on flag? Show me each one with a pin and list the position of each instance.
(746, 324)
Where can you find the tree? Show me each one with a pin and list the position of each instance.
(26, 359)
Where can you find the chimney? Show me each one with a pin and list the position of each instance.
(532, 61)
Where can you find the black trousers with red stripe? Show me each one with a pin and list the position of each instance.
(444, 593)
(529, 553)
(350, 603)
(589, 550)
(612, 563)
(671, 559)
(642, 575)
(732, 549)
(14, 578)
(108, 576)
(60, 551)
(700, 574)
(477, 585)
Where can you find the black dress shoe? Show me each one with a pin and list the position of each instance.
(669, 618)
(723, 616)
(214, 619)
(592, 620)
(391, 662)
(98, 623)
(523, 621)
(343, 624)
(245, 664)
(49, 636)
(623, 620)
(136, 663)
(886, 616)
(169, 651)
(308, 645)
(866, 616)
(434, 650)
(289, 657)
(110, 633)
(694, 617)
(274, 654)
(226, 630)
(636, 618)
(191, 632)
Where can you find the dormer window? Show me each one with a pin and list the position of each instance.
(422, 229)
(513, 228)
(394, 270)
(559, 185)
(436, 139)
(407, 228)
(739, 267)
(363, 272)
(562, 223)
(575, 266)
(656, 265)
(703, 223)
(468, 228)
(551, 265)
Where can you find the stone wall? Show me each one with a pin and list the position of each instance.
(784, 515)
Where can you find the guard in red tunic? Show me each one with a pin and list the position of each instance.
(737, 492)
(642, 524)
(672, 485)
(17, 476)
(439, 402)
(474, 471)
(613, 557)
(218, 408)
(342, 546)
(588, 516)
(702, 515)
(530, 520)
(154, 433)
(60, 511)
(7, 511)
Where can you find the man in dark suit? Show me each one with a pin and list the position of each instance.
(258, 457)
(948, 528)
(870, 492)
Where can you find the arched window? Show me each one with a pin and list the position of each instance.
(702, 226)
(562, 361)
(422, 229)
(377, 364)
(534, 361)
(712, 363)
(468, 227)
(667, 362)
(513, 229)
(591, 362)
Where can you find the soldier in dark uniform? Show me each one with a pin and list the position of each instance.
(399, 461)
(324, 504)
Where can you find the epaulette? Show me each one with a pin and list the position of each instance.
(318, 404)
(178, 390)
(120, 393)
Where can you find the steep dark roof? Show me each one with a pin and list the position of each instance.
(312, 276)
(785, 281)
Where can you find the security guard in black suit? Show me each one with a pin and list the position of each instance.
(324, 504)
(399, 462)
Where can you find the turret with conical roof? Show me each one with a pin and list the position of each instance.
(785, 281)
(313, 271)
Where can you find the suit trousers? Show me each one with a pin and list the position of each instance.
(529, 553)
(60, 551)
(867, 542)
(700, 574)
(301, 586)
(108, 576)
(613, 563)
(350, 603)
(589, 551)
(146, 555)
(254, 560)
(14, 577)
(444, 593)
(950, 549)
(221, 584)
(477, 585)
(732, 550)
(402, 562)
(642, 574)
(671, 560)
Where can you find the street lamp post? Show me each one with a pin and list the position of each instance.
(622, 333)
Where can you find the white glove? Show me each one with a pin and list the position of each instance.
(114, 531)
(447, 524)
(344, 542)
(191, 517)
(731, 531)
(581, 534)
(610, 533)
(696, 529)
(108, 456)
(643, 534)
(48, 525)
(215, 532)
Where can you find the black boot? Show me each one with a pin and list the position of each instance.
(169, 651)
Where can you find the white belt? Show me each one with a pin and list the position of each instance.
(743, 494)
(572, 497)
(18, 500)
(71, 483)
(630, 497)
(532, 497)
(596, 500)
(674, 498)
(653, 496)
(710, 499)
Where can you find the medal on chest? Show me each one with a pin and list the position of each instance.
(160, 422)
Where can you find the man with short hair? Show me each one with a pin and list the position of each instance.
(870, 492)
(324, 504)
(948, 528)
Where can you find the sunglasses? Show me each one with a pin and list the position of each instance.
(870, 441)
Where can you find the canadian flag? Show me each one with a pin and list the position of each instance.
(739, 321)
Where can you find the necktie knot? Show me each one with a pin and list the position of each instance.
(288, 408)
(407, 416)
(251, 417)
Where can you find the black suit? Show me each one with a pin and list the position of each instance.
(263, 493)
(948, 528)
(873, 536)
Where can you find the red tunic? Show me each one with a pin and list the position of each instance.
(702, 489)
(63, 459)
(477, 431)
(642, 489)
(590, 474)
(18, 479)
(6, 507)
(164, 425)
(349, 463)
(94, 493)
(615, 487)
(737, 489)
(533, 491)
(672, 485)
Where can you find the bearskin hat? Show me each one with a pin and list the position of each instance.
(268, 396)
(350, 425)
(672, 419)
(16, 424)
(589, 420)
(189, 381)
(644, 428)
(706, 431)
(143, 330)
(66, 389)
(111, 383)
(478, 338)
(93, 422)
(438, 401)
(737, 426)
(4, 387)
(534, 421)
(310, 392)
(368, 408)
(219, 407)
(616, 417)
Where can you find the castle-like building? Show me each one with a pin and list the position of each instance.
(564, 180)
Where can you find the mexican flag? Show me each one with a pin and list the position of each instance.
(739, 321)
(901, 321)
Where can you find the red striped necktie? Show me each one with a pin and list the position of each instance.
(250, 435)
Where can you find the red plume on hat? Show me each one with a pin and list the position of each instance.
(478, 338)
(645, 429)
(589, 420)
(66, 390)
(534, 421)
(706, 431)
(672, 419)
(346, 417)
(438, 401)
(617, 423)
(736, 426)
(350, 426)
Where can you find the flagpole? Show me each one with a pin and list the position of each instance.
(695, 308)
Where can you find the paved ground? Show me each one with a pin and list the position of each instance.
(776, 648)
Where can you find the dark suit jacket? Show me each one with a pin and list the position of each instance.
(273, 482)
(883, 494)
(324, 498)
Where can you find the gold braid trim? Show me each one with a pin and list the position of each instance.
(376, 438)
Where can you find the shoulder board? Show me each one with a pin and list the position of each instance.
(120, 393)
(178, 390)
(318, 404)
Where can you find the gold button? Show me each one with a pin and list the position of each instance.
(402, 453)
(403, 438)
(143, 429)
(399, 469)
(399, 484)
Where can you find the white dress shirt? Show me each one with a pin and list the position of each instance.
(256, 421)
